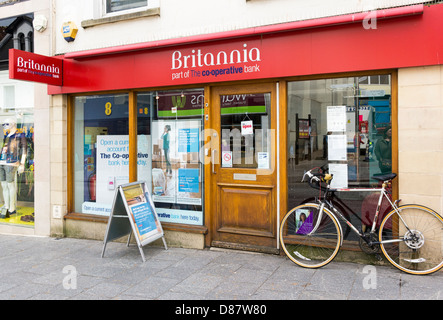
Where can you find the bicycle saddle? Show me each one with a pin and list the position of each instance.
(385, 177)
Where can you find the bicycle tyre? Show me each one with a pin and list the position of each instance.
(419, 250)
(305, 249)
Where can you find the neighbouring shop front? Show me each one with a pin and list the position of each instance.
(223, 130)
(17, 133)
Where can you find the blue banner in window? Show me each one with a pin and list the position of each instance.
(188, 140)
(188, 180)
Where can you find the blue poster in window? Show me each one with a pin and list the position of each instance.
(188, 180)
(188, 140)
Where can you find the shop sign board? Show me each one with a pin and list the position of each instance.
(256, 55)
(188, 104)
(252, 103)
(33, 67)
(133, 212)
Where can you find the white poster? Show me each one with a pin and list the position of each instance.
(113, 168)
(164, 160)
(263, 160)
(337, 147)
(180, 216)
(144, 159)
(112, 165)
(176, 174)
(336, 118)
(247, 127)
(340, 175)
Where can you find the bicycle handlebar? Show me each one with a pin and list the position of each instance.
(317, 177)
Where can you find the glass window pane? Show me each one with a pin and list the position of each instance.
(120, 5)
(363, 80)
(17, 166)
(17, 152)
(245, 124)
(101, 151)
(177, 163)
(342, 124)
(374, 80)
(384, 79)
(145, 102)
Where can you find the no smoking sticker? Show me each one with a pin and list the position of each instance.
(227, 159)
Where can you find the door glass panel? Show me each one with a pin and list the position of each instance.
(245, 124)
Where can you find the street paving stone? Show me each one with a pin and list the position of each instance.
(47, 268)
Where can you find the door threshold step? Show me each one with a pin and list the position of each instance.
(244, 247)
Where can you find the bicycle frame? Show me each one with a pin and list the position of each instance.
(414, 246)
(383, 194)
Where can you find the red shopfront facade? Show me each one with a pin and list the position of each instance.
(229, 194)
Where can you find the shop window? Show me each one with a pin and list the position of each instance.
(9, 2)
(169, 129)
(113, 6)
(377, 79)
(175, 135)
(343, 124)
(17, 153)
(17, 131)
(101, 151)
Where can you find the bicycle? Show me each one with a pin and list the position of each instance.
(409, 236)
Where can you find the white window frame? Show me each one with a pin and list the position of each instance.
(151, 4)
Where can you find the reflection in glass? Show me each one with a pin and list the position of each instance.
(120, 5)
(343, 124)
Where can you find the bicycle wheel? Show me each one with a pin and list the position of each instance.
(346, 230)
(308, 242)
(415, 238)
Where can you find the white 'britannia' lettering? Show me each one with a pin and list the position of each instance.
(199, 59)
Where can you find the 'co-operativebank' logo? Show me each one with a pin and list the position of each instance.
(179, 101)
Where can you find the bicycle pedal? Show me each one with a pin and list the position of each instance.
(378, 257)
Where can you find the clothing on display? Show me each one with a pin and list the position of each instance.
(12, 160)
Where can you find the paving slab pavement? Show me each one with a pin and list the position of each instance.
(43, 268)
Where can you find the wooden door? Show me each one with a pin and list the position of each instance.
(243, 169)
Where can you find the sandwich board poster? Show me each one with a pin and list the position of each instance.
(133, 212)
(141, 210)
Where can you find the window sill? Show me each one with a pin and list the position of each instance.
(166, 225)
(123, 17)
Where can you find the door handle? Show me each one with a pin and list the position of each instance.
(213, 152)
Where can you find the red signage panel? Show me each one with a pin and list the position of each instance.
(33, 67)
(331, 49)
